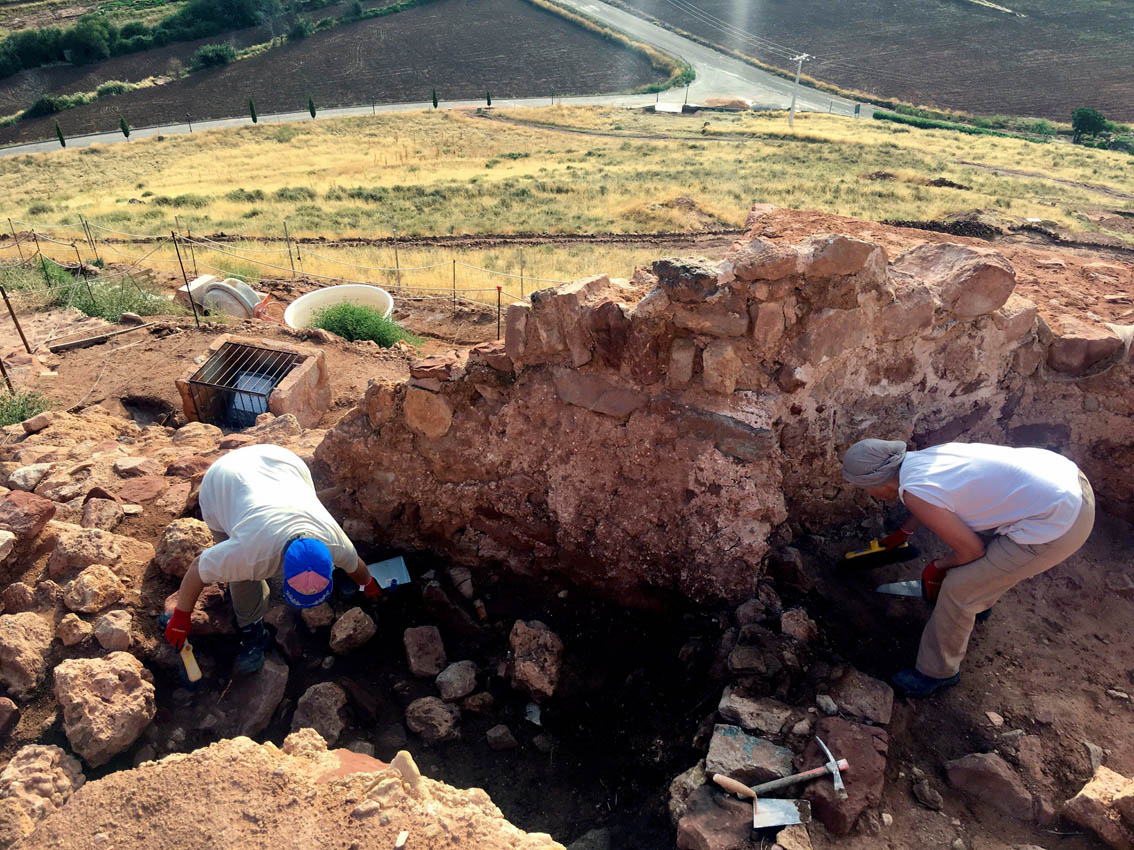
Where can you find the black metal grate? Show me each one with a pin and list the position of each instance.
(232, 387)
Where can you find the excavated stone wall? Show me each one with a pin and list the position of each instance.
(660, 435)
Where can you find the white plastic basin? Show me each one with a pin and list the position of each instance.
(301, 311)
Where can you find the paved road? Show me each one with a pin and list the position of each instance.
(718, 75)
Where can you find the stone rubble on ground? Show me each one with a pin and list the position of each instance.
(181, 542)
(987, 777)
(457, 681)
(433, 719)
(95, 588)
(425, 652)
(537, 653)
(112, 630)
(864, 697)
(351, 631)
(73, 629)
(36, 781)
(25, 639)
(1097, 808)
(321, 708)
(733, 752)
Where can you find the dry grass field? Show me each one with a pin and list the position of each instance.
(537, 171)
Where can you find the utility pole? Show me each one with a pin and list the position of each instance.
(798, 60)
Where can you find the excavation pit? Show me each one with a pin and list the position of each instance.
(244, 378)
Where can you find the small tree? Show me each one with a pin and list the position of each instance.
(435, 98)
(124, 127)
(59, 133)
(252, 110)
(311, 106)
(488, 97)
(1087, 122)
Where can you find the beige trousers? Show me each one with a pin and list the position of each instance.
(249, 601)
(975, 587)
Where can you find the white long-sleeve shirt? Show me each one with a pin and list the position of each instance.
(261, 498)
(1030, 495)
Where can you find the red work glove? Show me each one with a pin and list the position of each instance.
(372, 590)
(931, 579)
(895, 539)
(178, 628)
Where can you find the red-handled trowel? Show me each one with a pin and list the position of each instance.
(767, 812)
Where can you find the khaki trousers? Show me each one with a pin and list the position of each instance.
(249, 601)
(967, 590)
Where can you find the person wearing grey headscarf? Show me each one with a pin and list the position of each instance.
(1034, 507)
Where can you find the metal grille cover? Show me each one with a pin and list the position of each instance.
(232, 387)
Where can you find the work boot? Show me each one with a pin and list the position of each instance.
(254, 639)
(912, 683)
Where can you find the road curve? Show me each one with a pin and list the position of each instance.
(718, 75)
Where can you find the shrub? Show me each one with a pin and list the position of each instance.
(285, 134)
(354, 322)
(244, 196)
(300, 29)
(111, 298)
(17, 406)
(212, 55)
(49, 104)
(295, 193)
(90, 40)
(1087, 122)
(181, 201)
(355, 11)
(113, 87)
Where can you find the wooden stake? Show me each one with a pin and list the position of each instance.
(287, 239)
(14, 236)
(185, 277)
(8, 380)
(454, 286)
(42, 262)
(15, 321)
(498, 289)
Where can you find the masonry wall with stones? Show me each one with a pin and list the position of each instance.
(661, 435)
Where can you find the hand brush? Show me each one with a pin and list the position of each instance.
(877, 555)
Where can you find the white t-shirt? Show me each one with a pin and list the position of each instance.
(1030, 495)
(262, 497)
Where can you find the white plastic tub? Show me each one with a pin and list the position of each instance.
(301, 311)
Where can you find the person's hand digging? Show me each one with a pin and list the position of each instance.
(178, 628)
(895, 539)
(372, 590)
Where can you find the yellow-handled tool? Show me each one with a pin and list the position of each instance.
(192, 669)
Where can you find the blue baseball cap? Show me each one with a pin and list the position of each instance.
(307, 569)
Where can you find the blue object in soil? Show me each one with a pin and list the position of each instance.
(912, 683)
(390, 573)
(244, 407)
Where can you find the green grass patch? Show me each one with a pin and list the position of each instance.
(107, 299)
(20, 405)
(354, 322)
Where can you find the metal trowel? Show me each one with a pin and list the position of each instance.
(766, 812)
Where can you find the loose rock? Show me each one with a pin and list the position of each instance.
(27, 478)
(865, 748)
(424, 651)
(761, 714)
(321, 709)
(181, 542)
(735, 753)
(986, 776)
(112, 630)
(713, 822)
(106, 703)
(25, 514)
(106, 514)
(457, 680)
(537, 654)
(73, 629)
(95, 588)
(9, 716)
(319, 617)
(863, 696)
(38, 780)
(500, 737)
(927, 795)
(353, 629)
(826, 705)
(434, 719)
(24, 642)
(1094, 808)
(795, 623)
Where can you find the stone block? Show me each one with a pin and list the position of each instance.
(427, 413)
(687, 280)
(760, 714)
(434, 719)
(321, 708)
(862, 696)
(865, 748)
(714, 822)
(25, 640)
(1084, 348)
(424, 651)
(834, 255)
(910, 312)
(25, 514)
(986, 776)
(768, 324)
(537, 654)
(969, 282)
(722, 367)
(515, 331)
(712, 319)
(106, 703)
(682, 353)
(828, 333)
(596, 393)
(1094, 808)
(761, 260)
(733, 752)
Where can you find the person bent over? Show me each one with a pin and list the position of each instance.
(1036, 504)
(260, 504)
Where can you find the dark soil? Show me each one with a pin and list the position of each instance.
(943, 53)
(461, 49)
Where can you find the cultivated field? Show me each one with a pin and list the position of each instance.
(462, 49)
(35, 14)
(946, 53)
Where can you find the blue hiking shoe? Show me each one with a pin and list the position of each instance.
(911, 683)
(254, 639)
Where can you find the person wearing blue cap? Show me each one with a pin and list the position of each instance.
(260, 503)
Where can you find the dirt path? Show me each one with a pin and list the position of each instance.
(1074, 184)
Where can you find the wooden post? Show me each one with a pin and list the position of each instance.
(15, 321)
(192, 250)
(185, 278)
(91, 239)
(454, 285)
(7, 380)
(287, 239)
(397, 263)
(42, 262)
(498, 290)
(14, 236)
(83, 275)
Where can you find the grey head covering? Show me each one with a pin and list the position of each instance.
(871, 463)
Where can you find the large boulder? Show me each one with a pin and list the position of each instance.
(106, 703)
(969, 282)
(181, 542)
(1083, 348)
(321, 708)
(95, 588)
(36, 781)
(24, 642)
(537, 653)
(865, 748)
